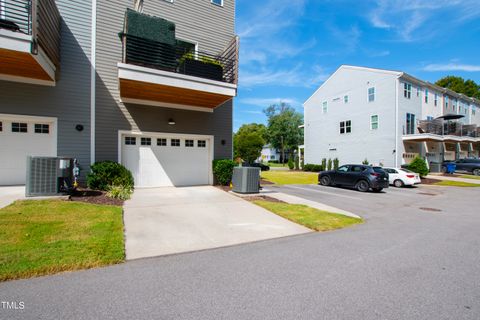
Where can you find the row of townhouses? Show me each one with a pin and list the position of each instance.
(388, 117)
(147, 83)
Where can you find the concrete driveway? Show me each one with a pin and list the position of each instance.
(10, 194)
(168, 220)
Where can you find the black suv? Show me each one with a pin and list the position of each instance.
(358, 176)
(467, 165)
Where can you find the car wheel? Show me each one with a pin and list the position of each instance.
(325, 181)
(476, 172)
(398, 183)
(362, 186)
(377, 189)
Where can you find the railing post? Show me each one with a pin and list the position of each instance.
(33, 21)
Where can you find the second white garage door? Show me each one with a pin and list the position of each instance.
(157, 160)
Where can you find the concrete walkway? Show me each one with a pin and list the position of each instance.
(10, 194)
(441, 177)
(168, 220)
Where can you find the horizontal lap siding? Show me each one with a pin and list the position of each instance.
(200, 21)
(69, 100)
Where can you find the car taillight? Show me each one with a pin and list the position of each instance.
(410, 176)
(375, 174)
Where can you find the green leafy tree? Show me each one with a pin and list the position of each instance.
(460, 85)
(335, 163)
(419, 166)
(365, 162)
(283, 130)
(324, 164)
(329, 165)
(248, 143)
(254, 127)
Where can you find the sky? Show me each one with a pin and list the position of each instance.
(289, 47)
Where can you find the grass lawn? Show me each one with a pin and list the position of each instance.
(39, 237)
(277, 165)
(456, 184)
(469, 176)
(290, 177)
(309, 217)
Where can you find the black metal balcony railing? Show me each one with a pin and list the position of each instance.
(179, 59)
(447, 128)
(38, 18)
(16, 15)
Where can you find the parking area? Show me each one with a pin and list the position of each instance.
(370, 204)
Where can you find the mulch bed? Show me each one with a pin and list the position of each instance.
(95, 197)
(430, 181)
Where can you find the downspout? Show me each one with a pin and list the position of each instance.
(397, 84)
(93, 80)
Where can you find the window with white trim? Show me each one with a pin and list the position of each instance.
(374, 122)
(446, 102)
(410, 124)
(42, 128)
(189, 143)
(218, 2)
(324, 107)
(175, 142)
(146, 141)
(201, 143)
(426, 95)
(345, 126)
(130, 141)
(19, 127)
(418, 91)
(371, 94)
(161, 142)
(407, 90)
(435, 101)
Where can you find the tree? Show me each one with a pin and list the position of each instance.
(283, 130)
(419, 166)
(254, 127)
(460, 85)
(248, 142)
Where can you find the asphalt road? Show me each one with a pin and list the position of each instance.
(403, 263)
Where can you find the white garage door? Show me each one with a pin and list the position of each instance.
(22, 136)
(157, 160)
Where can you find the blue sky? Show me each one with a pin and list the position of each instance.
(289, 47)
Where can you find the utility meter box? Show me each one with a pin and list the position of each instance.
(246, 180)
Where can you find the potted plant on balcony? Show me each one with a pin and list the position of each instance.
(203, 67)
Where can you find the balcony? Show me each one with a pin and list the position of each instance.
(29, 41)
(165, 72)
(444, 131)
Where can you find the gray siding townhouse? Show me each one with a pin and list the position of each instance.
(149, 84)
(388, 117)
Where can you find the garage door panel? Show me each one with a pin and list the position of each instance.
(16, 146)
(168, 165)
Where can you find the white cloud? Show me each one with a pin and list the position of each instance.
(298, 76)
(414, 20)
(452, 67)
(265, 102)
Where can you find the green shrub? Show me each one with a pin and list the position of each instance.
(119, 192)
(335, 163)
(324, 163)
(312, 167)
(365, 162)
(109, 173)
(297, 164)
(273, 161)
(329, 165)
(419, 166)
(223, 171)
(291, 165)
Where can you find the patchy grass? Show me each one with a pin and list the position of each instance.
(469, 176)
(449, 183)
(309, 217)
(39, 237)
(290, 177)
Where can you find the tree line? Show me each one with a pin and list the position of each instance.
(282, 132)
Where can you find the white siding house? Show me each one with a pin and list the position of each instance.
(380, 115)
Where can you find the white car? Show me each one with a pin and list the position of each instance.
(400, 177)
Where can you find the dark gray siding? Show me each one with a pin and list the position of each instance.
(200, 21)
(69, 100)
